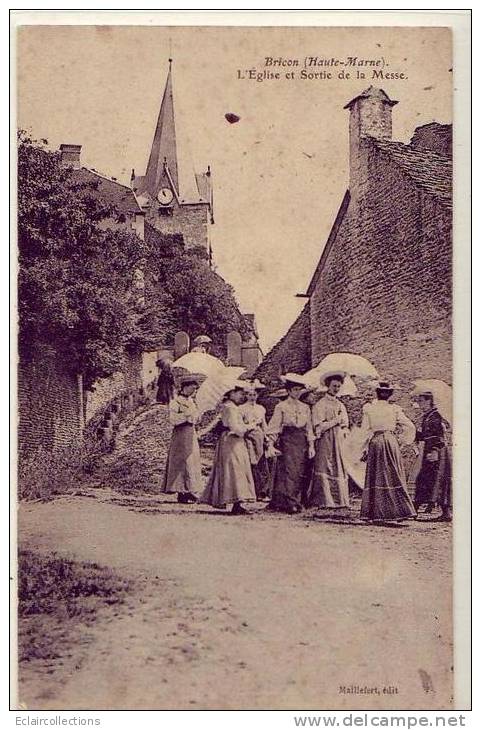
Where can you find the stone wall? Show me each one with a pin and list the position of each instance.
(106, 389)
(291, 354)
(192, 221)
(49, 406)
(385, 288)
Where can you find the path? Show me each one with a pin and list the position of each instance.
(264, 611)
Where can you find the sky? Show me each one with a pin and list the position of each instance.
(280, 173)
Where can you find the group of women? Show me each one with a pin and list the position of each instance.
(297, 459)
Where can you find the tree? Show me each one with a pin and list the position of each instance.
(180, 282)
(76, 276)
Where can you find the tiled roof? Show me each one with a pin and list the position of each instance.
(111, 191)
(429, 170)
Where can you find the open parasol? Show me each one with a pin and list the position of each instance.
(216, 386)
(442, 395)
(348, 363)
(199, 362)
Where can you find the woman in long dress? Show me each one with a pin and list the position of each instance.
(329, 486)
(254, 415)
(183, 474)
(310, 398)
(291, 424)
(385, 495)
(230, 480)
(433, 483)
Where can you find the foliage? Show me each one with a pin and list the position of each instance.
(54, 596)
(184, 293)
(45, 474)
(75, 274)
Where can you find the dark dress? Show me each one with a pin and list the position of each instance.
(433, 483)
(290, 470)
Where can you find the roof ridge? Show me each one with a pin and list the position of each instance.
(411, 150)
(105, 177)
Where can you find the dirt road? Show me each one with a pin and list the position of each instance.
(257, 612)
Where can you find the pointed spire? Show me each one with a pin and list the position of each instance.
(164, 145)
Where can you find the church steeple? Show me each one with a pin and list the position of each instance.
(164, 145)
(174, 198)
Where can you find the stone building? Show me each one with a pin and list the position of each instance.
(53, 405)
(382, 287)
(173, 196)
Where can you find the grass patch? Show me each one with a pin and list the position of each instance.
(54, 596)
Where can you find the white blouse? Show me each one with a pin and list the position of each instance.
(291, 413)
(254, 414)
(183, 409)
(380, 415)
(232, 419)
(328, 408)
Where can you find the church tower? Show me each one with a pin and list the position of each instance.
(174, 198)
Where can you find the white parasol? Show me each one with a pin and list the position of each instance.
(216, 386)
(442, 396)
(346, 362)
(199, 362)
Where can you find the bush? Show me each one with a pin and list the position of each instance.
(45, 474)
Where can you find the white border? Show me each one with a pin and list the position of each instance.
(459, 20)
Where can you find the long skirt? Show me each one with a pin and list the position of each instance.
(329, 485)
(385, 495)
(433, 483)
(290, 470)
(259, 466)
(183, 472)
(230, 479)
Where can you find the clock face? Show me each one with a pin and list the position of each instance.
(164, 196)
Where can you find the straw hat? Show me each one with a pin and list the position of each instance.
(332, 374)
(293, 379)
(253, 385)
(191, 379)
(202, 340)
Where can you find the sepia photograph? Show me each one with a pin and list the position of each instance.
(236, 480)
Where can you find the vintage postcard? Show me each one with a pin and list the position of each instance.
(240, 409)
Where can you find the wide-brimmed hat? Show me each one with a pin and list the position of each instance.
(384, 387)
(293, 379)
(253, 385)
(332, 374)
(191, 379)
(202, 340)
(279, 393)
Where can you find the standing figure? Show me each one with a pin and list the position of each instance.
(385, 495)
(165, 382)
(202, 343)
(254, 416)
(433, 483)
(310, 398)
(329, 486)
(291, 423)
(183, 473)
(231, 480)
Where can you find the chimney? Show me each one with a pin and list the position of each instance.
(70, 155)
(371, 116)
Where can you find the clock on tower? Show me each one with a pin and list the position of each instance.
(165, 196)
